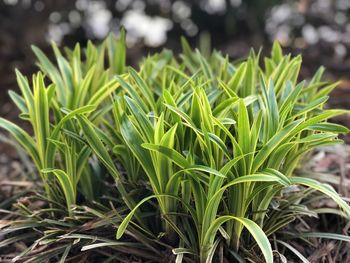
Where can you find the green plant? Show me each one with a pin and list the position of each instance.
(211, 141)
(238, 138)
(76, 86)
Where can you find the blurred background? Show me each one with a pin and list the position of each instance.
(318, 29)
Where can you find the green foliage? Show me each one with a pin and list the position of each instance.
(76, 87)
(213, 142)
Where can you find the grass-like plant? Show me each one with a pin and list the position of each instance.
(212, 142)
(76, 86)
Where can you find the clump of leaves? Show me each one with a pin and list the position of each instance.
(213, 142)
(77, 86)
